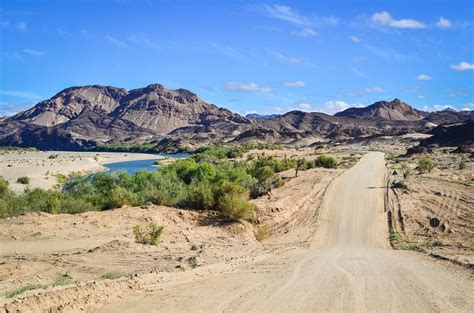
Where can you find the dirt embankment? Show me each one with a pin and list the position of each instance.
(435, 212)
(40, 248)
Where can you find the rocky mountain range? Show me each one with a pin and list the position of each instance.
(83, 117)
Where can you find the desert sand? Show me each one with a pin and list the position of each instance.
(42, 168)
(328, 250)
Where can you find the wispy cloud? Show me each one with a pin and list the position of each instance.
(355, 39)
(295, 84)
(443, 23)
(21, 94)
(358, 59)
(386, 54)
(22, 26)
(4, 23)
(287, 59)
(463, 66)
(385, 19)
(239, 86)
(373, 90)
(424, 77)
(437, 107)
(33, 52)
(115, 42)
(306, 32)
(415, 89)
(334, 106)
(288, 14)
(8, 109)
(421, 97)
(469, 105)
(227, 51)
(358, 72)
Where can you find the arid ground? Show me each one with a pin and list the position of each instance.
(321, 244)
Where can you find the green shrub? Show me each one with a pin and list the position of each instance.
(198, 196)
(325, 161)
(462, 164)
(4, 188)
(149, 235)
(236, 208)
(64, 281)
(112, 275)
(121, 196)
(15, 292)
(25, 180)
(425, 165)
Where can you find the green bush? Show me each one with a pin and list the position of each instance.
(149, 235)
(198, 196)
(15, 292)
(121, 196)
(236, 208)
(325, 161)
(23, 180)
(425, 165)
(112, 275)
(4, 188)
(64, 281)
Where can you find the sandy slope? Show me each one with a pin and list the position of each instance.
(347, 265)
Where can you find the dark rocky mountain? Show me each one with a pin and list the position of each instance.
(455, 135)
(449, 117)
(83, 117)
(259, 116)
(395, 110)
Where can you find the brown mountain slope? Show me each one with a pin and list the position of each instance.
(395, 110)
(69, 103)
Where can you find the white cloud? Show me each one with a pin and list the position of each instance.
(115, 42)
(355, 39)
(437, 107)
(358, 59)
(469, 105)
(421, 97)
(424, 77)
(358, 72)
(22, 26)
(247, 87)
(385, 19)
(304, 106)
(295, 84)
(443, 23)
(33, 52)
(288, 14)
(463, 66)
(227, 51)
(332, 107)
(306, 32)
(373, 90)
(21, 94)
(289, 60)
(285, 13)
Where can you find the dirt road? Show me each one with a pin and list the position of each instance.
(348, 267)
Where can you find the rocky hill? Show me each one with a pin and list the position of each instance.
(395, 110)
(83, 117)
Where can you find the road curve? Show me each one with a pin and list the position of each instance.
(348, 268)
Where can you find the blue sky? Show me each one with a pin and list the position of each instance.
(265, 57)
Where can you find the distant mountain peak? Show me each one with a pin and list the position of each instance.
(393, 110)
